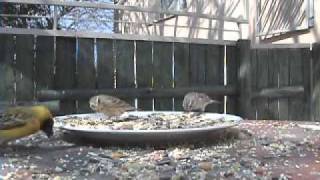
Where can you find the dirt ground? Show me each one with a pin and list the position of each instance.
(253, 150)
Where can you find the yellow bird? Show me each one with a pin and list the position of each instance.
(18, 122)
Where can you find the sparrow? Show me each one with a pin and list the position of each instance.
(22, 121)
(109, 105)
(194, 101)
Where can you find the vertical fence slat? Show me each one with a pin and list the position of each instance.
(215, 74)
(273, 82)
(253, 86)
(144, 71)
(306, 63)
(7, 78)
(283, 81)
(198, 54)
(162, 67)
(86, 76)
(181, 70)
(65, 70)
(24, 67)
(232, 78)
(315, 96)
(105, 64)
(296, 104)
(44, 63)
(262, 82)
(245, 75)
(125, 65)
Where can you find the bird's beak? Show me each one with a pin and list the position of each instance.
(47, 127)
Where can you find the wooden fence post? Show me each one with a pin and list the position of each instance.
(244, 78)
(315, 83)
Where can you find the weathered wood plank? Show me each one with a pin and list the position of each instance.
(181, 70)
(125, 66)
(65, 70)
(296, 104)
(144, 71)
(198, 56)
(162, 71)
(7, 79)
(245, 75)
(24, 67)
(262, 82)
(273, 82)
(232, 78)
(215, 74)
(86, 73)
(105, 64)
(282, 58)
(306, 63)
(44, 64)
(253, 87)
(315, 91)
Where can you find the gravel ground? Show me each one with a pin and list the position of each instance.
(254, 150)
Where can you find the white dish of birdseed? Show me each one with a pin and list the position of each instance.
(143, 126)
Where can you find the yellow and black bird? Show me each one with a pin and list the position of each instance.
(21, 121)
(109, 105)
(197, 102)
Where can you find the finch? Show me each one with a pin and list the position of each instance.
(109, 105)
(20, 121)
(194, 101)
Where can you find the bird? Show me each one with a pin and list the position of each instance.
(197, 102)
(111, 106)
(21, 121)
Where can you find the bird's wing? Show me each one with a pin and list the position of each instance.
(14, 117)
(121, 104)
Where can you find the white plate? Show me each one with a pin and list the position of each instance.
(109, 136)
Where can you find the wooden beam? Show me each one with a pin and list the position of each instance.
(133, 92)
(283, 92)
(90, 34)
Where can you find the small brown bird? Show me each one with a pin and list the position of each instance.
(18, 122)
(109, 105)
(194, 101)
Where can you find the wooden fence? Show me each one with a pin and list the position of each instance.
(276, 83)
(154, 74)
(273, 82)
